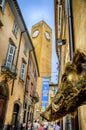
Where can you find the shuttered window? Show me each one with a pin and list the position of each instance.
(25, 49)
(10, 56)
(22, 72)
(15, 29)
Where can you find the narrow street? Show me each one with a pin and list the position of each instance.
(42, 64)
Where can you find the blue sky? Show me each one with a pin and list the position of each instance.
(34, 11)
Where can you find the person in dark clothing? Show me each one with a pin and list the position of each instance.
(23, 126)
(27, 126)
(10, 127)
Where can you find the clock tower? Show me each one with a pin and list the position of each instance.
(41, 35)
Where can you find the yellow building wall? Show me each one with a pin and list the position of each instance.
(79, 23)
(43, 47)
(79, 30)
(5, 33)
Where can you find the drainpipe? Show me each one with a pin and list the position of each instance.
(70, 27)
(17, 59)
(19, 48)
(71, 47)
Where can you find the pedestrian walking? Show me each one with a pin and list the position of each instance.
(23, 126)
(30, 125)
(27, 126)
(10, 127)
(57, 127)
(45, 125)
(41, 126)
(36, 125)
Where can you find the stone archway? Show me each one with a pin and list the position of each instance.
(4, 95)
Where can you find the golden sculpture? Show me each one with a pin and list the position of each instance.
(72, 91)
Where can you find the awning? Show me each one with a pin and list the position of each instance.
(72, 90)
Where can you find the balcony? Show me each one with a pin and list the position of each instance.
(9, 71)
(35, 97)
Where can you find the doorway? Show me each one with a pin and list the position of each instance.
(2, 111)
(16, 116)
(4, 96)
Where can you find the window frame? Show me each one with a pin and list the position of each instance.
(22, 74)
(25, 49)
(15, 29)
(9, 53)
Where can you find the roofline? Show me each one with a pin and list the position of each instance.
(14, 6)
(42, 21)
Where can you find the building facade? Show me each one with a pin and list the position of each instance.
(41, 35)
(31, 94)
(70, 25)
(15, 47)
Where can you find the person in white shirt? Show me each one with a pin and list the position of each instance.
(57, 126)
(45, 125)
(36, 125)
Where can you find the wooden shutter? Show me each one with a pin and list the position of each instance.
(10, 56)
(22, 70)
(15, 29)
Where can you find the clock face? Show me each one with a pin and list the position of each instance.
(47, 35)
(35, 33)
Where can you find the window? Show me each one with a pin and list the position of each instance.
(25, 49)
(27, 82)
(15, 113)
(22, 70)
(25, 112)
(10, 56)
(2, 4)
(24, 116)
(35, 75)
(15, 29)
(30, 61)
